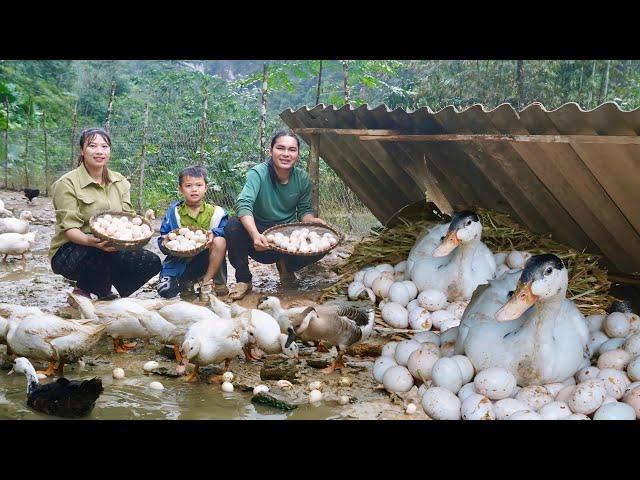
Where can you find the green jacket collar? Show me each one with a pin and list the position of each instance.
(85, 179)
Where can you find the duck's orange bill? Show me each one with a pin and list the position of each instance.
(522, 299)
(447, 246)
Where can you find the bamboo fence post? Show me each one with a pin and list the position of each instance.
(26, 145)
(111, 98)
(6, 145)
(46, 155)
(203, 127)
(314, 173)
(73, 135)
(263, 110)
(142, 160)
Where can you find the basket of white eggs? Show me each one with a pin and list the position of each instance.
(185, 241)
(304, 239)
(123, 230)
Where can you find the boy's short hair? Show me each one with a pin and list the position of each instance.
(194, 171)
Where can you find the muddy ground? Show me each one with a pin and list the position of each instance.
(35, 284)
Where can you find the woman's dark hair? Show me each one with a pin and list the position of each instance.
(284, 133)
(193, 171)
(87, 136)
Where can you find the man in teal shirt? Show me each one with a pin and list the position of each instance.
(275, 192)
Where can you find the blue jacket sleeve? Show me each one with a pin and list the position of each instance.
(165, 228)
(219, 230)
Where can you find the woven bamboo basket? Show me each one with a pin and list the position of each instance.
(121, 244)
(287, 228)
(186, 253)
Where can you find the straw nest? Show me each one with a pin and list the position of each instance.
(588, 282)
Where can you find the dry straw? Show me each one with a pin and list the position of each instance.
(588, 282)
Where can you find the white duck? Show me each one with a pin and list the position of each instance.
(208, 342)
(10, 312)
(43, 336)
(273, 307)
(16, 244)
(460, 262)
(338, 325)
(544, 338)
(16, 225)
(263, 327)
(3, 211)
(123, 318)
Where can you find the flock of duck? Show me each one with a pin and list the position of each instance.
(506, 322)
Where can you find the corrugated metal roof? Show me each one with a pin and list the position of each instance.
(586, 195)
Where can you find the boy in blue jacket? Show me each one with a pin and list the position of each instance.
(193, 211)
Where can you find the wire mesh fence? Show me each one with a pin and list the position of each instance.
(152, 156)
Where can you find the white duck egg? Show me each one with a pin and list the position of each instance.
(631, 387)
(615, 411)
(595, 340)
(389, 349)
(634, 322)
(359, 275)
(259, 389)
(404, 350)
(632, 345)
(576, 416)
(617, 359)
(398, 293)
(457, 309)
(633, 369)
(420, 319)
(449, 323)
(448, 340)
(427, 337)
(400, 266)
(382, 304)
(385, 267)
(107, 217)
(355, 289)
(150, 365)
(632, 398)
(587, 373)
(411, 288)
(440, 404)
(587, 397)
(411, 409)
(611, 344)
(508, 406)
(594, 322)
(466, 367)
(495, 383)
(395, 315)
(117, 373)
(515, 259)
(381, 286)
(380, 366)
(615, 382)
(477, 407)
(616, 325)
(446, 373)
(421, 362)
(564, 394)
(315, 396)
(370, 276)
(432, 300)
(554, 388)
(525, 415)
(397, 379)
(156, 386)
(227, 387)
(466, 390)
(555, 411)
(442, 317)
(183, 231)
(413, 304)
(500, 257)
(284, 384)
(536, 396)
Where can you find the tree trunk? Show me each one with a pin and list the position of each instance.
(581, 78)
(73, 135)
(263, 111)
(319, 83)
(46, 155)
(345, 72)
(605, 83)
(143, 157)
(520, 82)
(26, 144)
(113, 94)
(6, 145)
(593, 76)
(314, 173)
(203, 127)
